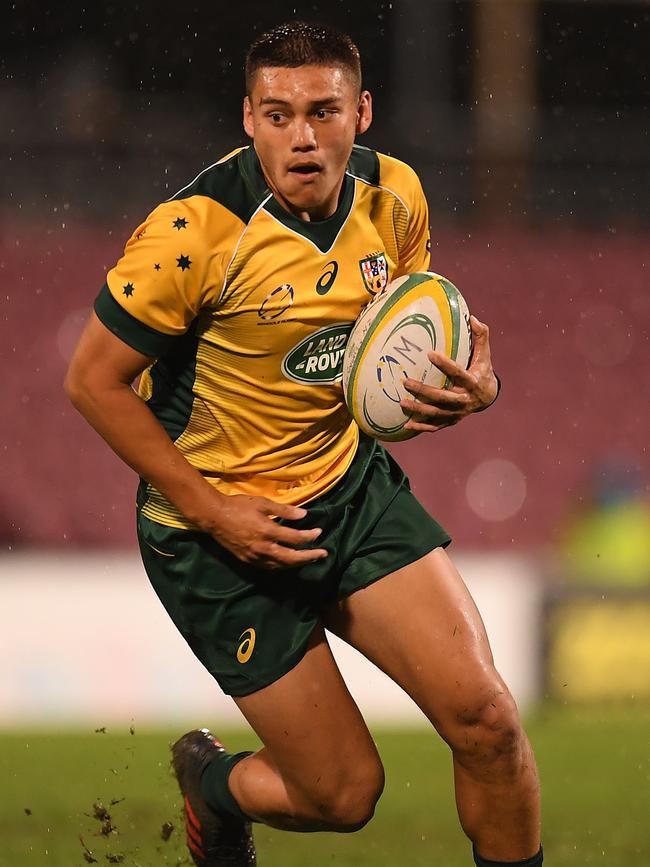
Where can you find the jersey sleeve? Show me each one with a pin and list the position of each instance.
(167, 274)
(415, 249)
(410, 216)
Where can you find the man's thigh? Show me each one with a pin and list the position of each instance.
(421, 626)
(312, 730)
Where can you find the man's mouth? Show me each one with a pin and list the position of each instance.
(305, 169)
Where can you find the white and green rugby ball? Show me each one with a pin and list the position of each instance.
(390, 341)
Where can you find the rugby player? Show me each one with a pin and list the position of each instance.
(263, 514)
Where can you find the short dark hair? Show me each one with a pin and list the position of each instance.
(301, 43)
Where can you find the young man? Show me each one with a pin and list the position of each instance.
(263, 515)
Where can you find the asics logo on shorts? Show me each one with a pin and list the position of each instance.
(246, 645)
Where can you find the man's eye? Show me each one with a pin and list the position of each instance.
(276, 117)
(323, 113)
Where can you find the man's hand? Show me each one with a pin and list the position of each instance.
(473, 389)
(99, 385)
(245, 526)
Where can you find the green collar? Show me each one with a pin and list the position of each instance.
(322, 233)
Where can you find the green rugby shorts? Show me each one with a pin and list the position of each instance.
(249, 626)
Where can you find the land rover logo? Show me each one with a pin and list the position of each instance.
(318, 359)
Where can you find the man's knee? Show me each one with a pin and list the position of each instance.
(486, 729)
(348, 805)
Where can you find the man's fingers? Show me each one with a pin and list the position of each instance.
(444, 362)
(454, 371)
(291, 536)
(282, 510)
(481, 340)
(291, 557)
(278, 550)
(479, 329)
(421, 426)
(430, 414)
(275, 556)
(442, 397)
(281, 533)
(253, 535)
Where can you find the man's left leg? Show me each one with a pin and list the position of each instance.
(421, 627)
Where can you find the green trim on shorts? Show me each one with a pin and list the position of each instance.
(250, 626)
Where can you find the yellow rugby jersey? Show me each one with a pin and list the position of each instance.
(247, 309)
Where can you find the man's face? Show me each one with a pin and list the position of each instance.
(303, 121)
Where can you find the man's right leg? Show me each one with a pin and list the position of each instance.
(319, 768)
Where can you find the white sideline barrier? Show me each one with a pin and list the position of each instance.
(84, 640)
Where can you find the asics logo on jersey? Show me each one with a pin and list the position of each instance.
(276, 302)
(318, 359)
(246, 645)
(327, 278)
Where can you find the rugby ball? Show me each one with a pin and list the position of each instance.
(390, 340)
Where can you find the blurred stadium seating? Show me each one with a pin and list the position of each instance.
(569, 315)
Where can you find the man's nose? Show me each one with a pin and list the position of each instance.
(304, 137)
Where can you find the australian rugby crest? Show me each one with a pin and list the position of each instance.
(374, 270)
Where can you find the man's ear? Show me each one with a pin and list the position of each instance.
(364, 112)
(249, 125)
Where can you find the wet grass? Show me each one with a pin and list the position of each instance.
(595, 766)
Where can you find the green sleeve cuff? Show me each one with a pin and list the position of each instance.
(130, 330)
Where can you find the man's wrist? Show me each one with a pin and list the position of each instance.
(498, 390)
(200, 504)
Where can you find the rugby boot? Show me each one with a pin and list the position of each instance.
(214, 839)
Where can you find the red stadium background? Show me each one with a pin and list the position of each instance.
(570, 320)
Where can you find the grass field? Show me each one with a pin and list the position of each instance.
(595, 767)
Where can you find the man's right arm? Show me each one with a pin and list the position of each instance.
(98, 383)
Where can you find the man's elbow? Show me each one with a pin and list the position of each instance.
(76, 387)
